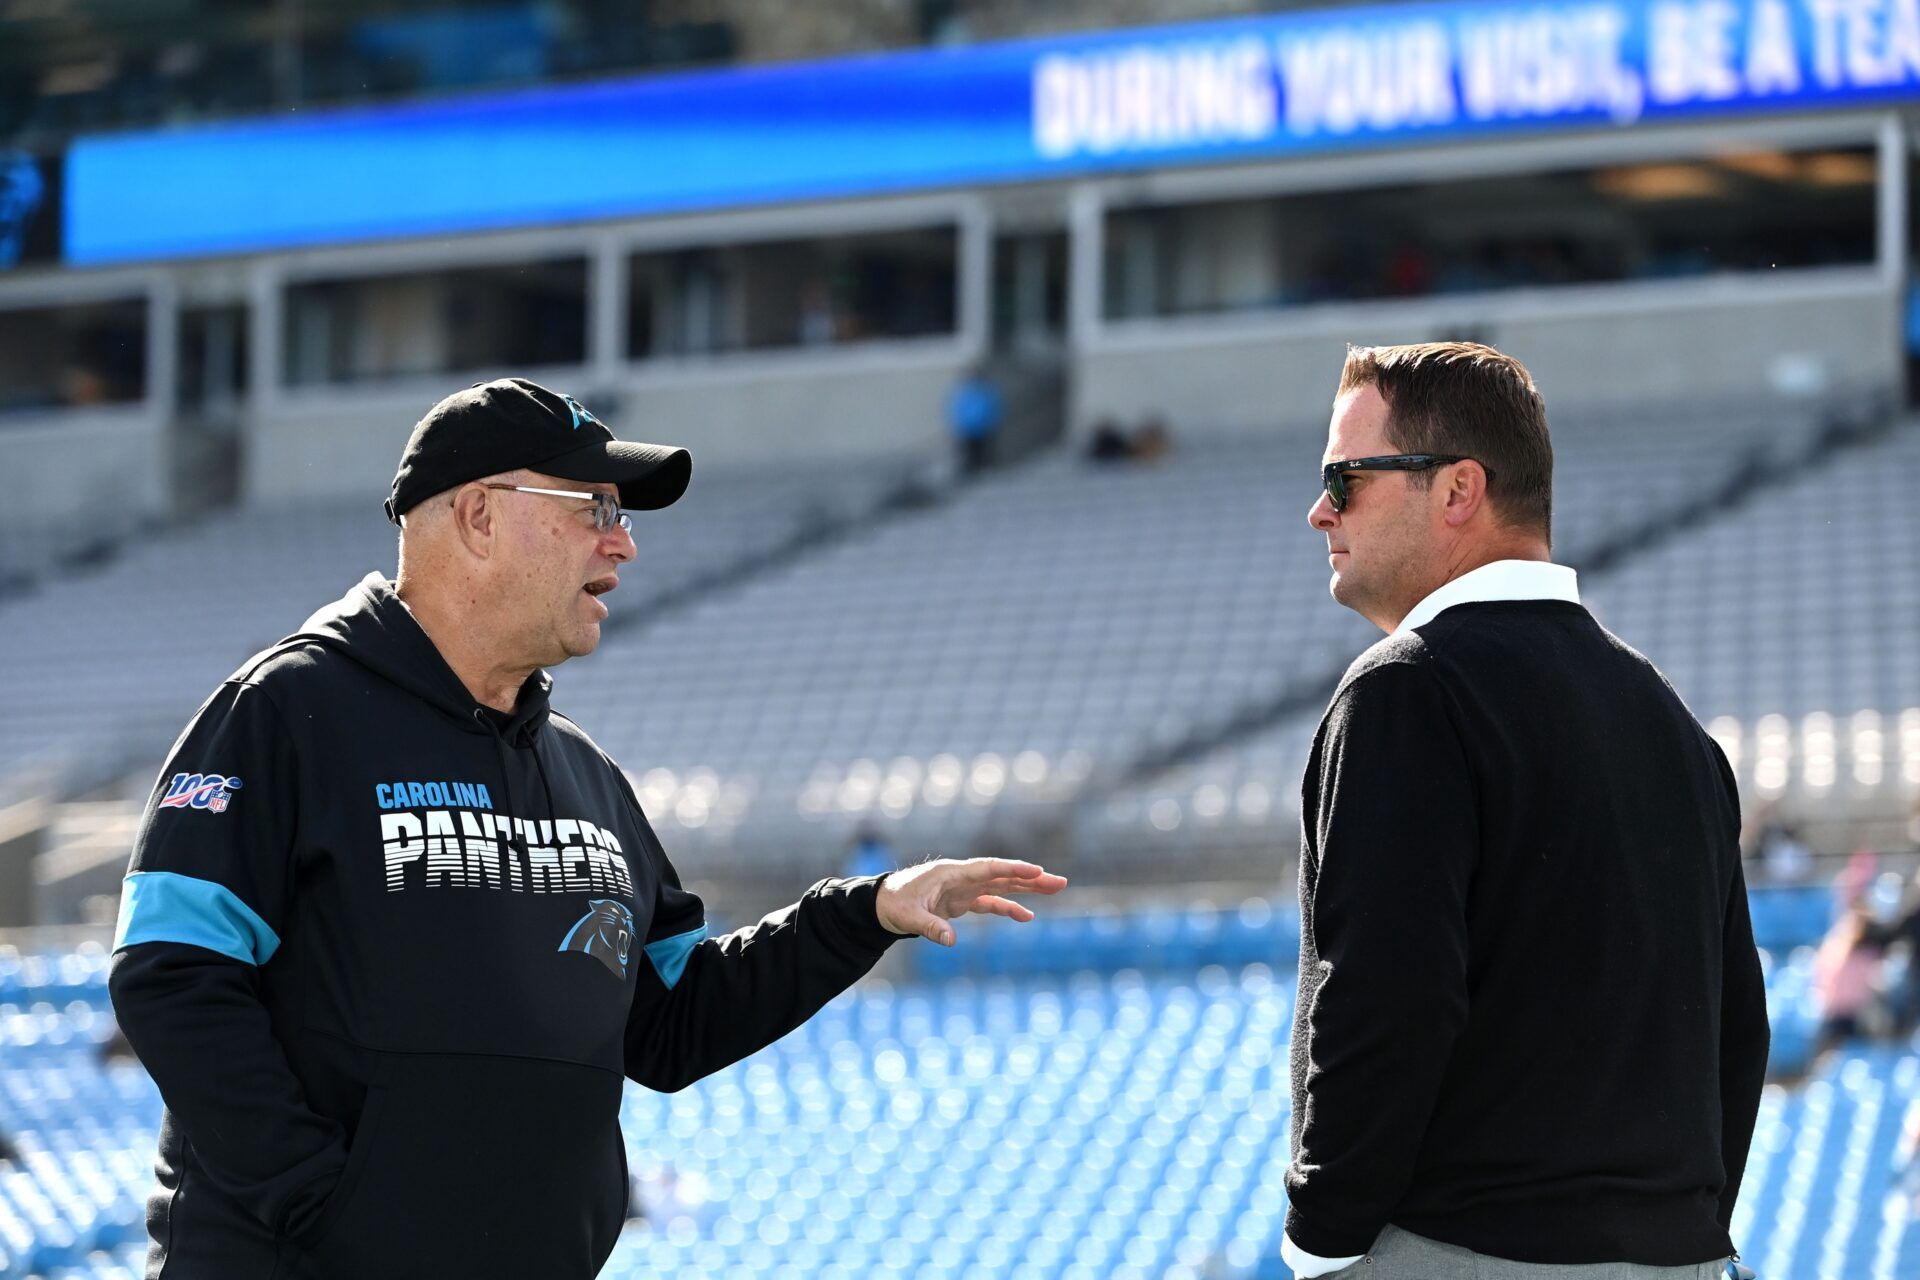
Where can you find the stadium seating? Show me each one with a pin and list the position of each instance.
(986, 661)
(1049, 629)
(1084, 1097)
(1791, 625)
(1788, 622)
(996, 650)
(201, 599)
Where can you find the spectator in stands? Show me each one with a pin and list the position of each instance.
(1108, 442)
(1846, 971)
(1409, 270)
(974, 411)
(1531, 1030)
(21, 192)
(818, 327)
(1904, 934)
(1152, 441)
(1856, 878)
(395, 930)
(1753, 848)
(1784, 855)
(1910, 331)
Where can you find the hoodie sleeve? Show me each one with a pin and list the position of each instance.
(703, 1002)
(201, 913)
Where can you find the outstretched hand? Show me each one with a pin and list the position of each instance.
(920, 900)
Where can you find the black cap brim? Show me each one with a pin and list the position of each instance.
(650, 476)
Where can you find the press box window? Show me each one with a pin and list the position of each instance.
(72, 356)
(792, 293)
(1756, 212)
(373, 328)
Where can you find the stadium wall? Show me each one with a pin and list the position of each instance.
(856, 405)
(1614, 345)
(879, 396)
(1802, 332)
(1254, 360)
(81, 474)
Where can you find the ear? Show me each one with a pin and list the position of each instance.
(1465, 492)
(475, 519)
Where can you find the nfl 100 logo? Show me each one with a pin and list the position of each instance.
(209, 791)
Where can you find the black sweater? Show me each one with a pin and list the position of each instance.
(1531, 1020)
(389, 960)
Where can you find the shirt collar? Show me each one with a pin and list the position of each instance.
(1500, 580)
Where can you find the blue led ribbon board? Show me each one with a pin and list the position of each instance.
(1144, 98)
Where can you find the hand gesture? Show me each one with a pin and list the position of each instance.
(921, 899)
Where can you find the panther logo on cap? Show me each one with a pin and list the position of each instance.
(580, 413)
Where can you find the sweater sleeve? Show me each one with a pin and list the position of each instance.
(703, 1002)
(201, 912)
(1391, 839)
(1744, 1034)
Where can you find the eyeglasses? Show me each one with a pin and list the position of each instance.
(1333, 476)
(607, 515)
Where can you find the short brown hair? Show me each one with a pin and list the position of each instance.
(1468, 399)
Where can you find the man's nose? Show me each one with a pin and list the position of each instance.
(1321, 514)
(619, 546)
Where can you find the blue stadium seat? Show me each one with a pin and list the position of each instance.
(1789, 917)
(1063, 1121)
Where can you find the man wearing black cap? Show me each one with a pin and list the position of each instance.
(395, 931)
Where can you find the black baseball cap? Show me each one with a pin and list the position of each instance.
(512, 423)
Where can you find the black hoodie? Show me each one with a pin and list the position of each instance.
(389, 955)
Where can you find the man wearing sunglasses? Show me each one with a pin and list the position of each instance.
(396, 931)
(1531, 1030)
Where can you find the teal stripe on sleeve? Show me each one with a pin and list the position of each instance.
(160, 906)
(670, 955)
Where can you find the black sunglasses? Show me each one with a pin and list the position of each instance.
(1333, 476)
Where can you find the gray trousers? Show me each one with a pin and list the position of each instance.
(1402, 1255)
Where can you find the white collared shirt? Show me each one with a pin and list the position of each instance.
(1306, 1266)
(1500, 580)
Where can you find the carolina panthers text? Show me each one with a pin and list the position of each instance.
(462, 849)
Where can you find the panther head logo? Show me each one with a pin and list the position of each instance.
(605, 933)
